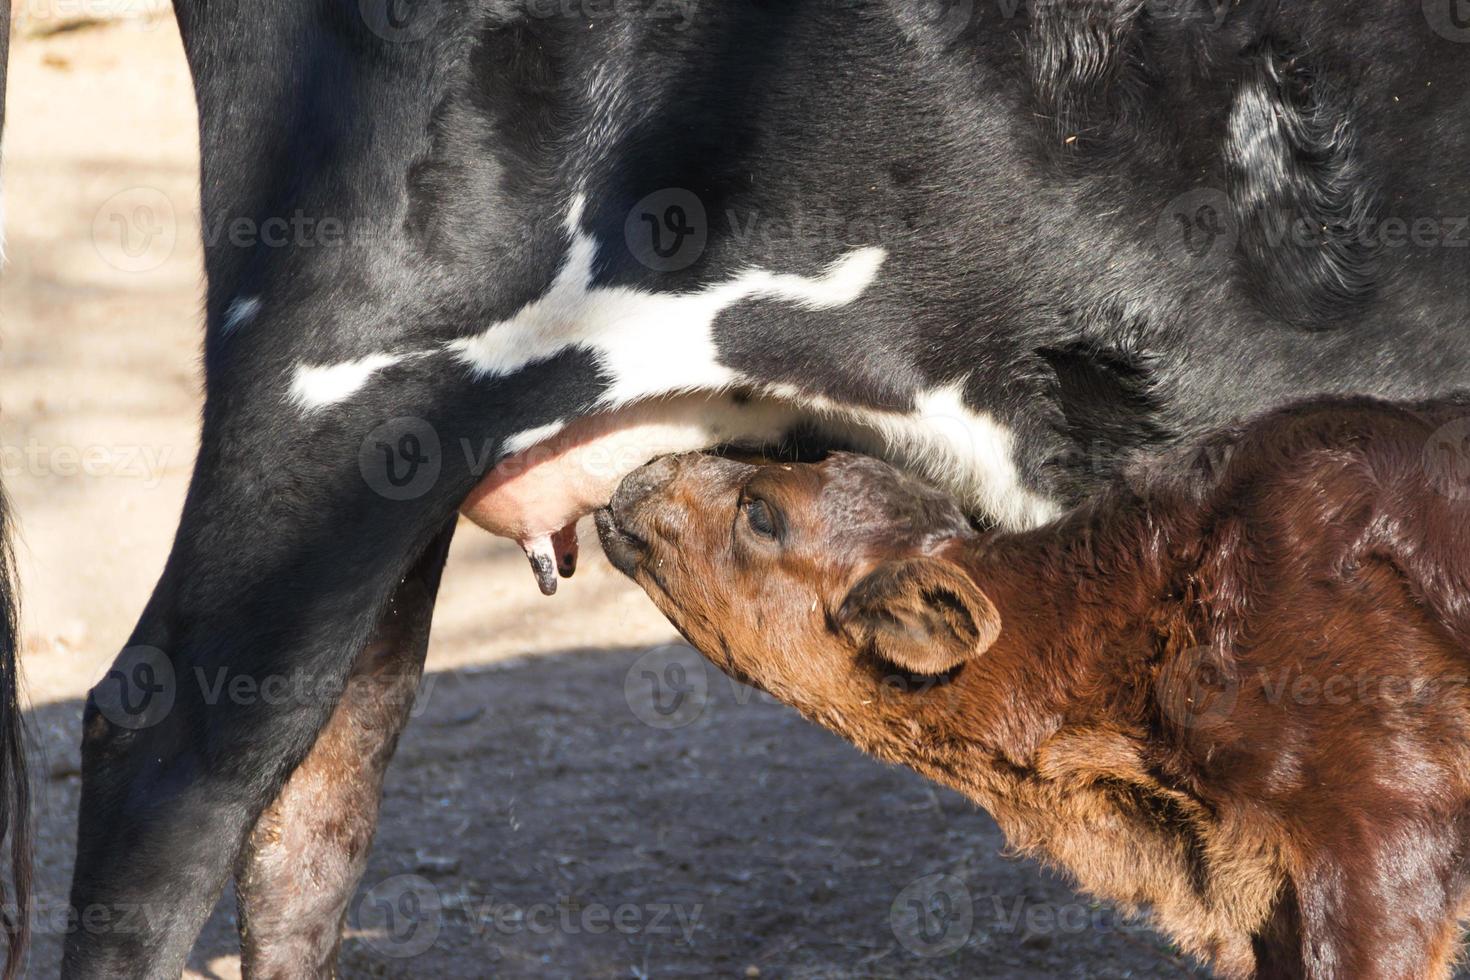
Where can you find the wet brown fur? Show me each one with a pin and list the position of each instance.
(1230, 693)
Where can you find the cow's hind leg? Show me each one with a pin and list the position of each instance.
(301, 864)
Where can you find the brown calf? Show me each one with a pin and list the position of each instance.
(1231, 692)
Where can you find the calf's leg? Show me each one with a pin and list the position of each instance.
(1375, 907)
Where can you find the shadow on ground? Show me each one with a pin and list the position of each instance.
(634, 814)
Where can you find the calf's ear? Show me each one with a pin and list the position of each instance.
(924, 615)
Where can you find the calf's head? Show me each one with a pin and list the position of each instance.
(814, 581)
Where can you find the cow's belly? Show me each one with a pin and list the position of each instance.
(558, 475)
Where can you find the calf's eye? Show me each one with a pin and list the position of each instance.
(758, 515)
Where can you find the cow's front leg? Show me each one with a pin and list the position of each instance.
(300, 866)
(291, 551)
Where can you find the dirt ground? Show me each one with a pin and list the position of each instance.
(578, 795)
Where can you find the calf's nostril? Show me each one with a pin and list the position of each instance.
(644, 482)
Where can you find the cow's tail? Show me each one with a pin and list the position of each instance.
(15, 786)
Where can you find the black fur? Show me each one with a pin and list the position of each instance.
(15, 787)
(1295, 170)
(1088, 69)
(15, 790)
(1022, 169)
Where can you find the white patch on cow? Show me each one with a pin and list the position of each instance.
(648, 343)
(973, 455)
(967, 453)
(241, 312)
(316, 387)
(654, 345)
(531, 437)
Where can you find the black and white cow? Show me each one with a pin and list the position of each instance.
(1006, 245)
